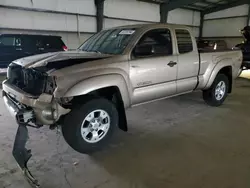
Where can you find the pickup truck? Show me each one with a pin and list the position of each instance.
(87, 91)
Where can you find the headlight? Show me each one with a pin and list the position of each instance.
(50, 85)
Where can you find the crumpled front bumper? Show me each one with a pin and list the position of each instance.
(29, 111)
(24, 116)
(12, 108)
(21, 114)
(46, 111)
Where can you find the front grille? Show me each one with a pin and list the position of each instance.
(29, 80)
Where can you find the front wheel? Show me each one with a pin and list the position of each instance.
(217, 93)
(89, 127)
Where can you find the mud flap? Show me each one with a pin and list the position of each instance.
(22, 155)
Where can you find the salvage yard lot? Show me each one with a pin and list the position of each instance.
(168, 141)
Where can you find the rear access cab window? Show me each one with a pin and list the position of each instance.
(184, 41)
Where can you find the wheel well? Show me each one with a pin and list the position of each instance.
(228, 72)
(111, 93)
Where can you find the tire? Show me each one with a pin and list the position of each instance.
(87, 113)
(211, 97)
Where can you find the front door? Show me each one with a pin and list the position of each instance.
(153, 67)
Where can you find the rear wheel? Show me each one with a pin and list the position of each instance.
(217, 93)
(89, 127)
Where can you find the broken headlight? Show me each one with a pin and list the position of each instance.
(31, 80)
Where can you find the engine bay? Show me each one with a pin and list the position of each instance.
(30, 80)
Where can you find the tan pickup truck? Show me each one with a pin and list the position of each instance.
(87, 91)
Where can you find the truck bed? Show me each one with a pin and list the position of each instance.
(215, 56)
(210, 59)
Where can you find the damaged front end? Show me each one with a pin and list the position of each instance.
(30, 80)
(28, 95)
(33, 88)
(24, 117)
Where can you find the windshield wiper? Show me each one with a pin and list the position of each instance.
(96, 51)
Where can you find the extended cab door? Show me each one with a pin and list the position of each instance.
(153, 67)
(188, 61)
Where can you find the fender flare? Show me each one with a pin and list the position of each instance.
(220, 65)
(98, 82)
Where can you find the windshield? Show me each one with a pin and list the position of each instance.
(112, 41)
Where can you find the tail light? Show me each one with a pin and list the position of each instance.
(65, 48)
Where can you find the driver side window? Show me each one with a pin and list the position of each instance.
(154, 43)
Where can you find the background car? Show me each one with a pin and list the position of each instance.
(15, 46)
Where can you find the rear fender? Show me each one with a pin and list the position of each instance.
(98, 82)
(216, 70)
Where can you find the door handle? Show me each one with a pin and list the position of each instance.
(172, 63)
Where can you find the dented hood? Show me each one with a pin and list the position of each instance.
(58, 60)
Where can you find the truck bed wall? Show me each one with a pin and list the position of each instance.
(212, 62)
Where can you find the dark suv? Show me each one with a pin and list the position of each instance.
(15, 46)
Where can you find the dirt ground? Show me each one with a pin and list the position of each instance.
(174, 143)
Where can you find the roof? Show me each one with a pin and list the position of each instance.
(20, 34)
(205, 6)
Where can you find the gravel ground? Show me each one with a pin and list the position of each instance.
(174, 143)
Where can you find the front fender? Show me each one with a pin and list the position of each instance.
(216, 70)
(98, 82)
